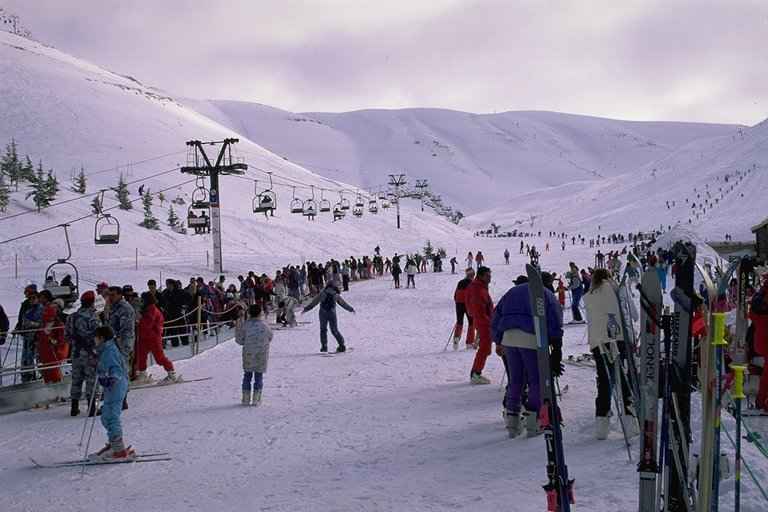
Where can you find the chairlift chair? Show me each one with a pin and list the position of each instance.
(106, 231)
(392, 198)
(385, 203)
(359, 203)
(338, 212)
(67, 293)
(357, 211)
(344, 204)
(297, 205)
(373, 206)
(201, 196)
(325, 205)
(201, 224)
(265, 201)
(310, 209)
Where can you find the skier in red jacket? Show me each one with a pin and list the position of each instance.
(151, 341)
(460, 299)
(480, 308)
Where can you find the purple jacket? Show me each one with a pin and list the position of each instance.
(513, 311)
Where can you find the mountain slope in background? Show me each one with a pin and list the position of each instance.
(473, 160)
(639, 200)
(69, 112)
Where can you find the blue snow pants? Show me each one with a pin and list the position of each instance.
(522, 368)
(112, 408)
(256, 377)
(328, 319)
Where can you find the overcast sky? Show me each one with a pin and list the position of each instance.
(696, 60)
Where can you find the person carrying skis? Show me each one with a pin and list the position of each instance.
(480, 307)
(79, 330)
(328, 298)
(575, 285)
(605, 336)
(459, 299)
(513, 328)
(255, 337)
(151, 341)
(112, 375)
(506, 256)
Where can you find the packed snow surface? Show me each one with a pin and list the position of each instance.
(392, 425)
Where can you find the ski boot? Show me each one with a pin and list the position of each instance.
(341, 348)
(476, 378)
(323, 348)
(171, 378)
(256, 397)
(142, 378)
(246, 399)
(75, 409)
(602, 426)
(117, 452)
(513, 424)
(532, 428)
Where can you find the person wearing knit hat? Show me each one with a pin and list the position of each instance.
(79, 331)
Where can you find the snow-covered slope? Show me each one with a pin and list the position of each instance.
(639, 200)
(473, 160)
(69, 112)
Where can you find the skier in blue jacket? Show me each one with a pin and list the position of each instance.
(512, 328)
(112, 375)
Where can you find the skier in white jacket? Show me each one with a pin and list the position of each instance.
(604, 332)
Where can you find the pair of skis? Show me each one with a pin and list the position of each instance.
(142, 457)
(559, 488)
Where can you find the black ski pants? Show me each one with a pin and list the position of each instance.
(604, 378)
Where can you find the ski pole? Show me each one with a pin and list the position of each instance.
(93, 423)
(718, 342)
(91, 404)
(450, 338)
(738, 396)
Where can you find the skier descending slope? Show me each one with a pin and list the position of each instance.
(327, 299)
(559, 488)
(513, 328)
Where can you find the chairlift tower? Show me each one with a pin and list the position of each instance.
(422, 185)
(397, 181)
(200, 165)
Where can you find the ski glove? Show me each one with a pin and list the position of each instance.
(106, 381)
(556, 362)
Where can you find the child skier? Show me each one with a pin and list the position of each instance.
(255, 336)
(113, 377)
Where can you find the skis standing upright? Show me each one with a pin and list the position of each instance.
(559, 488)
(739, 350)
(680, 374)
(650, 322)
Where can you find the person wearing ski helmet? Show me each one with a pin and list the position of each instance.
(605, 337)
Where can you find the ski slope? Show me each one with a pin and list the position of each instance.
(71, 113)
(637, 201)
(392, 425)
(473, 160)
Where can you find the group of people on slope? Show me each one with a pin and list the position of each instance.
(510, 325)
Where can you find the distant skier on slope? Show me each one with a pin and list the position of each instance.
(506, 256)
(328, 298)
